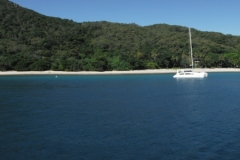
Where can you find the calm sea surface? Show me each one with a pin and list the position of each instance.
(120, 117)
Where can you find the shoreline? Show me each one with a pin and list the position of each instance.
(149, 71)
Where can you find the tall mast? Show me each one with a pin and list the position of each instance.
(190, 39)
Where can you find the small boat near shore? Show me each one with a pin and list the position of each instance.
(189, 73)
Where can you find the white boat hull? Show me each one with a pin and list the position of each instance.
(189, 74)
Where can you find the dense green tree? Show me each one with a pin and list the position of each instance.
(233, 59)
(40, 65)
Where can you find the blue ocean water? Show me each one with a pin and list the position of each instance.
(120, 117)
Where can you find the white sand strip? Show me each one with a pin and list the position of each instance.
(220, 69)
(157, 71)
(150, 71)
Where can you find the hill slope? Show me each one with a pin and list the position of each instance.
(31, 41)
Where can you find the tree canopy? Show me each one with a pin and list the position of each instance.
(31, 41)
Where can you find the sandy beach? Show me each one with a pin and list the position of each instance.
(150, 71)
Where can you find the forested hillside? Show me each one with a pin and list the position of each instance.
(31, 41)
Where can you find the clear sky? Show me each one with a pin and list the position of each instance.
(204, 15)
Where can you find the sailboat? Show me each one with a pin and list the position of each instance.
(189, 73)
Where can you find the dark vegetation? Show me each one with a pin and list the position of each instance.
(31, 41)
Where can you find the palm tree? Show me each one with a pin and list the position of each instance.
(174, 59)
(201, 57)
(235, 61)
(221, 58)
(154, 55)
(207, 59)
(185, 60)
